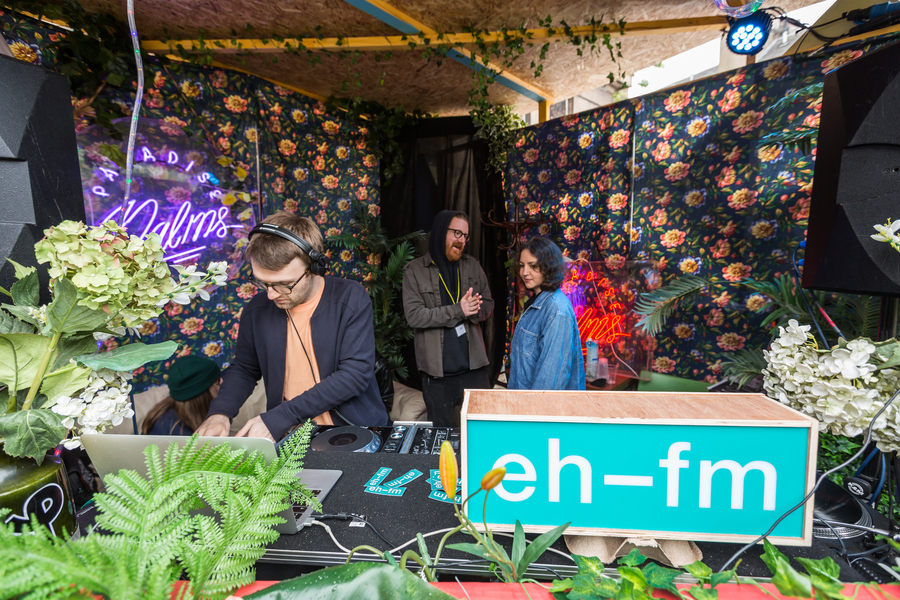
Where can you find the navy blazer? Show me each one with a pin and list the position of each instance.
(343, 338)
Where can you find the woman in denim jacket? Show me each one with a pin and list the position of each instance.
(546, 347)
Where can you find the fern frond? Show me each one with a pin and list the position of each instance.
(799, 138)
(346, 240)
(656, 306)
(802, 94)
(744, 365)
(409, 237)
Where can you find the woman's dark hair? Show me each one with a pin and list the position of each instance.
(550, 261)
(191, 413)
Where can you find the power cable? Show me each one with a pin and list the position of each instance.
(816, 487)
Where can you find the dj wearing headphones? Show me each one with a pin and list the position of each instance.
(308, 335)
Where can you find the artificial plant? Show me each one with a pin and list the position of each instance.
(103, 283)
(383, 279)
(150, 531)
(855, 316)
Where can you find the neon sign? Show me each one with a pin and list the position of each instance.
(603, 329)
(603, 300)
(176, 193)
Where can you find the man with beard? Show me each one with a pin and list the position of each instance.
(445, 298)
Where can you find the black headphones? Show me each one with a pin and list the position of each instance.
(318, 263)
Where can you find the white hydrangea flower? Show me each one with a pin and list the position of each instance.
(841, 388)
(104, 403)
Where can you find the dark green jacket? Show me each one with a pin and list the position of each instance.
(429, 319)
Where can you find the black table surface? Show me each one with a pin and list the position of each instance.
(399, 519)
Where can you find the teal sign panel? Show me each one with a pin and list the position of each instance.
(721, 480)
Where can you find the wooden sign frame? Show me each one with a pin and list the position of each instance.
(641, 408)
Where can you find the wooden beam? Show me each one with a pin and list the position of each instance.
(543, 112)
(286, 86)
(401, 42)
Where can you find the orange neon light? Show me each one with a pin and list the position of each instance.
(602, 329)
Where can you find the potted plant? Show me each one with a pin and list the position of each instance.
(150, 534)
(56, 385)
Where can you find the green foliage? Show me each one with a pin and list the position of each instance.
(656, 306)
(383, 279)
(512, 569)
(744, 365)
(150, 531)
(497, 125)
(384, 125)
(357, 581)
(129, 357)
(635, 582)
(783, 133)
(29, 433)
(821, 578)
(856, 316)
(103, 281)
(96, 54)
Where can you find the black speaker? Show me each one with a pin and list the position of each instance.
(40, 181)
(857, 178)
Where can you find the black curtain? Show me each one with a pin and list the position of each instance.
(446, 168)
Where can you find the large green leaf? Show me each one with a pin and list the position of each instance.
(23, 315)
(634, 575)
(356, 581)
(662, 578)
(539, 546)
(25, 292)
(66, 315)
(64, 383)
(20, 356)
(31, 433)
(21, 271)
(10, 324)
(702, 593)
(699, 570)
(825, 568)
(518, 547)
(789, 581)
(73, 346)
(129, 357)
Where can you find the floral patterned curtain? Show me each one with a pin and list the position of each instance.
(678, 177)
(311, 162)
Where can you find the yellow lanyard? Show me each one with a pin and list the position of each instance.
(455, 300)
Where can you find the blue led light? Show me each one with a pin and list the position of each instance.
(749, 35)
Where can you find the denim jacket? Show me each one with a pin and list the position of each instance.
(546, 347)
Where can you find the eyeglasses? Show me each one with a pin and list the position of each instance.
(459, 234)
(278, 287)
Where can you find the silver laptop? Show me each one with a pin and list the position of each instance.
(111, 453)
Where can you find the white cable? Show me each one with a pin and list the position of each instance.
(135, 111)
(400, 547)
(328, 529)
(451, 529)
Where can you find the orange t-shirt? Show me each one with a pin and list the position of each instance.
(301, 374)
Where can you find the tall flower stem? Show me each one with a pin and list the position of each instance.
(42, 368)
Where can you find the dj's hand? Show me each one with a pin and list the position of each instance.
(255, 428)
(215, 426)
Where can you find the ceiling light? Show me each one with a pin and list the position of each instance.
(749, 35)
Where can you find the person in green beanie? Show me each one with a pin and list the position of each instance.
(193, 383)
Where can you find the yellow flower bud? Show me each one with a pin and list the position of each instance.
(493, 478)
(448, 469)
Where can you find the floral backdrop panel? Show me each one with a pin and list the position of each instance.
(311, 161)
(679, 178)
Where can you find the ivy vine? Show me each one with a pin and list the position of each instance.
(96, 54)
(488, 52)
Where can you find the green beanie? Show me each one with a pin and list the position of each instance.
(190, 376)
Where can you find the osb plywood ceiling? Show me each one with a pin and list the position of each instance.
(408, 80)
